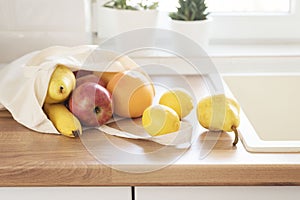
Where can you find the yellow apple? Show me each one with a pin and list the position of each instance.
(61, 84)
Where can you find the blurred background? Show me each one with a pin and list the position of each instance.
(28, 25)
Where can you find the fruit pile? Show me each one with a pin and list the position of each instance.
(93, 98)
(215, 113)
(165, 117)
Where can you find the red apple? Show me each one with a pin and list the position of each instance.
(89, 78)
(91, 103)
(80, 73)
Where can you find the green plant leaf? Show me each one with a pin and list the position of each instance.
(190, 10)
(123, 4)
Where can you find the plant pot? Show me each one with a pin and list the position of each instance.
(111, 22)
(198, 31)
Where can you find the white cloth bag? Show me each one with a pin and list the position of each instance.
(24, 83)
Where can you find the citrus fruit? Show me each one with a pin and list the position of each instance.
(105, 77)
(179, 100)
(120, 64)
(132, 92)
(160, 120)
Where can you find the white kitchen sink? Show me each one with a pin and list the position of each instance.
(271, 103)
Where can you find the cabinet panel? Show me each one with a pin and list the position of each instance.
(217, 193)
(65, 193)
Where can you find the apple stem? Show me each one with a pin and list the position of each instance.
(76, 133)
(97, 110)
(61, 88)
(236, 133)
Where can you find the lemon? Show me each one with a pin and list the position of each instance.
(179, 100)
(160, 120)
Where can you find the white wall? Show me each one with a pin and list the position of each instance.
(28, 25)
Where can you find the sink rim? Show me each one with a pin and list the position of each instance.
(254, 143)
(250, 138)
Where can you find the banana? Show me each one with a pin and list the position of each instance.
(63, 120)
(61, 84)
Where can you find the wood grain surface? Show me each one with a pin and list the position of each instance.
(29, 158)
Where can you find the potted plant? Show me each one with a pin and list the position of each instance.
(191, 19)
(117, 16)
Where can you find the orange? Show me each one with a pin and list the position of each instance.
(132, 92)
(121, 64)
(105, 76)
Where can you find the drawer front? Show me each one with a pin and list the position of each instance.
(218, 193)
(65, 193)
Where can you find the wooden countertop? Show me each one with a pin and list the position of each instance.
(28, 158)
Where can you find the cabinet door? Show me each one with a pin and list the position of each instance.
(65, 193)
(218, 193)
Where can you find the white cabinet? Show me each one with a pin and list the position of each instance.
(65, 193)
(218, 193)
